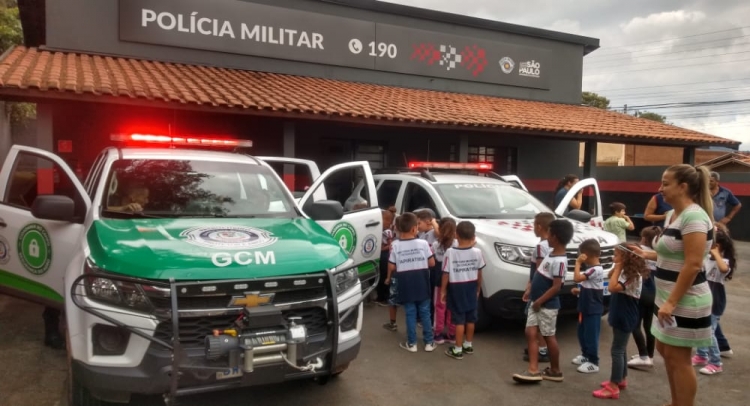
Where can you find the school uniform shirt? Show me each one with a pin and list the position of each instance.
(624, 312)
(428, 236)
(552, 267)
(591, 298)
(716, 280)
(649, 286)
(462, 266)
(541, 251)
(387, 236)
(411, 258)
(436, 273)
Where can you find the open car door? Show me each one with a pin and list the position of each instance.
(35, 252)
(297, 174)
(594, 206)
(359, 232)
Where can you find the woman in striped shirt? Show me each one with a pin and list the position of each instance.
(683, 298)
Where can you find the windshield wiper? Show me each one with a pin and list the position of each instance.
(131, 214)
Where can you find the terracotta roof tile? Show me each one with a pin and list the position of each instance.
(46, 71)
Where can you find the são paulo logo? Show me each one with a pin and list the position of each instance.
(228, 237)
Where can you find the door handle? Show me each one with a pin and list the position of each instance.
(372, 224)
(3, 224)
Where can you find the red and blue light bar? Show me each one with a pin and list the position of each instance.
(197, 141)
(481, 166)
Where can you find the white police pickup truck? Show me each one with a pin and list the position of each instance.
(503, 213)
(184, 270)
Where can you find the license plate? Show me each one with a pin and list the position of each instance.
(229, 373)
(606, 288)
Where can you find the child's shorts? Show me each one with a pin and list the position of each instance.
(545, 319)
(461, 318)
(393, 290)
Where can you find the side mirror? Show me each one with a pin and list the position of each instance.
(53, 207)
(324, 210)
(579, 215)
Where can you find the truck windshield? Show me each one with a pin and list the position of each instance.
(192, 188)
(489, 200)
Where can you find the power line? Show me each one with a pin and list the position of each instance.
(686, 104)
(676, 38)
(663, 94)
(663, 53)
(669, 85)
(669, 60)
(664, 67)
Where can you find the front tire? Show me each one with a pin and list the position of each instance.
(484, 319)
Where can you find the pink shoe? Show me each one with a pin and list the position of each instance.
(699, 361)
(622, 385)
(608, 392)
(711, 369)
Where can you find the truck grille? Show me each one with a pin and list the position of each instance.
(221, 301)
(193, 330)
(606, 258)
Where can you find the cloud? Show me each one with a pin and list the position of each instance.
(662, 22)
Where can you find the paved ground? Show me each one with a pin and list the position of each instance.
(31, 374)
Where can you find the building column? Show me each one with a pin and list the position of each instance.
(463, 148)
(289, 141)
(688, 155)
(6, 136)
(589, 159)
(45, 140)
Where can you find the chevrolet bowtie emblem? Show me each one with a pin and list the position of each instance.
(254, 299)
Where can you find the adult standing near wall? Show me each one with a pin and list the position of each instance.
(561, 190)
(683, 298)
(656, 210)
(726, 204)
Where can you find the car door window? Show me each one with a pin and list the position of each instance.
(388, 193)
(347, 187)
(417, 197)
(34, 176)
(92, 181)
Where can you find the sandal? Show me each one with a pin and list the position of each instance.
(608, 392)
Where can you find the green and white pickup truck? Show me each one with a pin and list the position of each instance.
(183, 270)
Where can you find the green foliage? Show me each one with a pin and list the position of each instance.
(594, 100)
(652, 116)
(11, 34)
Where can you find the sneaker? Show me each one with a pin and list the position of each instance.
(579, 360)
(528, 377)
(408, 347)
(543, 357)
(711, 369)
(699, 361)
(727, 353)
(609, 391)
(450, 339)
(430, 347)
(439, 339)
(548, 375)
(451, 352)
(639, 363)
(588, 368)
(622, 385)
(468, 350)
(390, 326)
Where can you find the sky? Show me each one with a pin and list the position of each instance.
(652, 53)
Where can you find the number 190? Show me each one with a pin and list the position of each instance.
(380, 49)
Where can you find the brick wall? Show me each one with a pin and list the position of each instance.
(645, 155)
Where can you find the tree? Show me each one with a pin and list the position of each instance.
(594, 100)
(652, 116)
(11, 34)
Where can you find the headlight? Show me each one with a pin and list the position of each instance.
(112, 292)
(514, 254)
(346, 280)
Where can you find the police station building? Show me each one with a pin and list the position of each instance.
(327, 80)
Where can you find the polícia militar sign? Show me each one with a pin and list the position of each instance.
(245, 28)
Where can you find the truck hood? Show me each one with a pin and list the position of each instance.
(201, 249)
(521, 232)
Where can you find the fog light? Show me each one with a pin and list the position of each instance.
(109, 340)
(350, 322)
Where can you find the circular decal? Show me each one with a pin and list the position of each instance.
(369, 245)
(35, 249)
(4, 250)
(507, 65)
(346, 235)
(228, 237)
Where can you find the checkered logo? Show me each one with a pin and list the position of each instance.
(474, 59)
(450, 57)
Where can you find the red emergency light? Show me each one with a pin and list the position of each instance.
(481, 166)
(180, 140)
